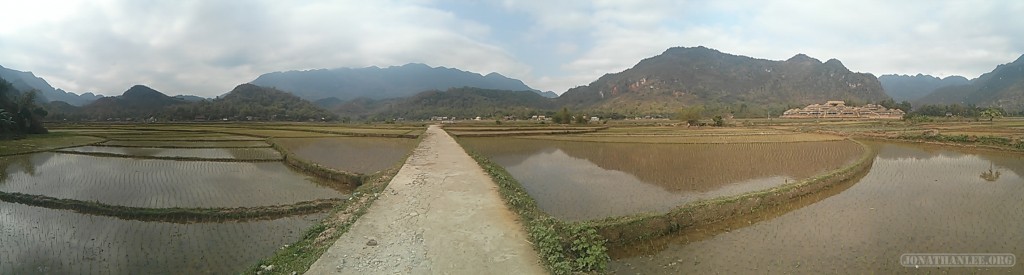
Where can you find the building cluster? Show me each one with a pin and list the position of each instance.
(838, 109)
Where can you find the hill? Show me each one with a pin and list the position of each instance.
(723, 83)
(138, 101)
(1002, 87)
(378, 83)
(911, 88)
(251, 102)
(244, 102)
(465, 102)
(26, 81)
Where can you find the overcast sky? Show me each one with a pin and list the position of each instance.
(207, 47)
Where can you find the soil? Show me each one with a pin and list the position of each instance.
(440, 214)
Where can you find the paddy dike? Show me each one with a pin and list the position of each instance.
(440, 214)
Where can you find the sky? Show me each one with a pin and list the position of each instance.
(207, 47)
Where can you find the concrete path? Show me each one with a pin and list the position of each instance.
(441, 214)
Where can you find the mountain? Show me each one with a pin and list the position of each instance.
(1002, 87)
(547, 94)
(138, 101)
(378, 83)
(723, 83)
(248, 100)
(910, 88)
(26, 81)
(190, 98)
(244, 102)
(464, 102)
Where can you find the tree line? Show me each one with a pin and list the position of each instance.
(19, 114)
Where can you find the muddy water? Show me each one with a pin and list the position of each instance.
(915, 199)
(592, 180)
(158, 183)
(364, 155)
(35, 240)
(203, 153)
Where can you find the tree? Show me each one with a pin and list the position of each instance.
(991, 113)
(6, 122)
(719, 121)
(691, 115)
(563, 116)
(580, 119)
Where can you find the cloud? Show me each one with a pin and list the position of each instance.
(207, 47)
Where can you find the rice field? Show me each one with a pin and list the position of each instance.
(159, 168)
(363, 155)
(37, 240)
(241, 154)
(271, 133)
(915, 199)
(151, 183)
(186, 144)
(349, 130)
(574, 180)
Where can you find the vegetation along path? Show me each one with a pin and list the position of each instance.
(440, 214)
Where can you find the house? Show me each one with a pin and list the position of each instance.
(838, 109)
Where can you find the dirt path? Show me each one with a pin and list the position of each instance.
(441, 214)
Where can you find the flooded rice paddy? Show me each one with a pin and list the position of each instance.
(201, 153)
(914, 199)
(152, 170)
(38, 240)
(153, 183)
(592, 180)
(187, 144)
(364, 155)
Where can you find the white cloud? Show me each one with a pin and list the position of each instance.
(207, 47)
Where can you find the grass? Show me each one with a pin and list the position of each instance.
(629, 229)
(696, 139)
(565, 248)
(44, 142)
(186, 144)
(175, 215)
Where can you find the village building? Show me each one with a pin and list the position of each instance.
(838, 109)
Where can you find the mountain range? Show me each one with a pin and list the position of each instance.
(1002, 87)
(26, 81)
(244, 102)
(723, 83)
(731, 83)
(382, 83)
(914, 87)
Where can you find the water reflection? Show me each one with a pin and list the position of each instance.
(915, 199)
(158, 183)
(36, 240)
(364, 155)
(991, 175)
(586, 180)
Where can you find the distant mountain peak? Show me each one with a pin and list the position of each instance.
(803, 58)
(141, 91)
(903, 87)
